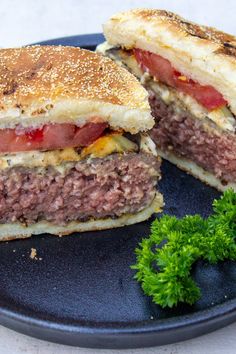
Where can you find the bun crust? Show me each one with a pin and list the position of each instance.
(16, 230)
(42, 84)
(200, 52)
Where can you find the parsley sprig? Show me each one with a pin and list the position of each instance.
(165, 259)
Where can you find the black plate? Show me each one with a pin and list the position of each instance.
(82, 292)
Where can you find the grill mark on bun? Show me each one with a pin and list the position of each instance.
(226, 41)
(10, 88)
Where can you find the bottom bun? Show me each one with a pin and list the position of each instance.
(196, 171)
(17, 230)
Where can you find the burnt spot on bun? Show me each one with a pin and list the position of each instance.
(10, 88)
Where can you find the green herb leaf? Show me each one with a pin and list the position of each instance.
(165, 259)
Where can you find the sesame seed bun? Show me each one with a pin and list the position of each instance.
(55, 84)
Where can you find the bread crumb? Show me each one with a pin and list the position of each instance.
(33, 254)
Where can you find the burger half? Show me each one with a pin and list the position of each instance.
(74, 153)
(190, 73)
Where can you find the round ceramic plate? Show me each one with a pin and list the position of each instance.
(80, 291)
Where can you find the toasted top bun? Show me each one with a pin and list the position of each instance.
(199, 52)
(55, 84)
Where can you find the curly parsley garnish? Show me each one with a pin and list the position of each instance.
(165, 259)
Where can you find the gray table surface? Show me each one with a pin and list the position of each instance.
(27, 21)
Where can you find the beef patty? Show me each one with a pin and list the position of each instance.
(93, 188)
(186, 136)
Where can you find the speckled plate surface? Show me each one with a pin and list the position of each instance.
(81, 291)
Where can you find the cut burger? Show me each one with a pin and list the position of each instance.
(189, 72)
(74, 152)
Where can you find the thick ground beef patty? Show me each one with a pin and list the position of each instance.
(186, 136)
(95, 188)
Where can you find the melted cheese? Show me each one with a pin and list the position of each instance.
(62, 159)
(107, 145)
(221, 116)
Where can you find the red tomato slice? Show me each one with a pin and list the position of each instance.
(58, 136)
(89, 133)
(35, 135)
(50, 137)
(7, 136)
(162, 69)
